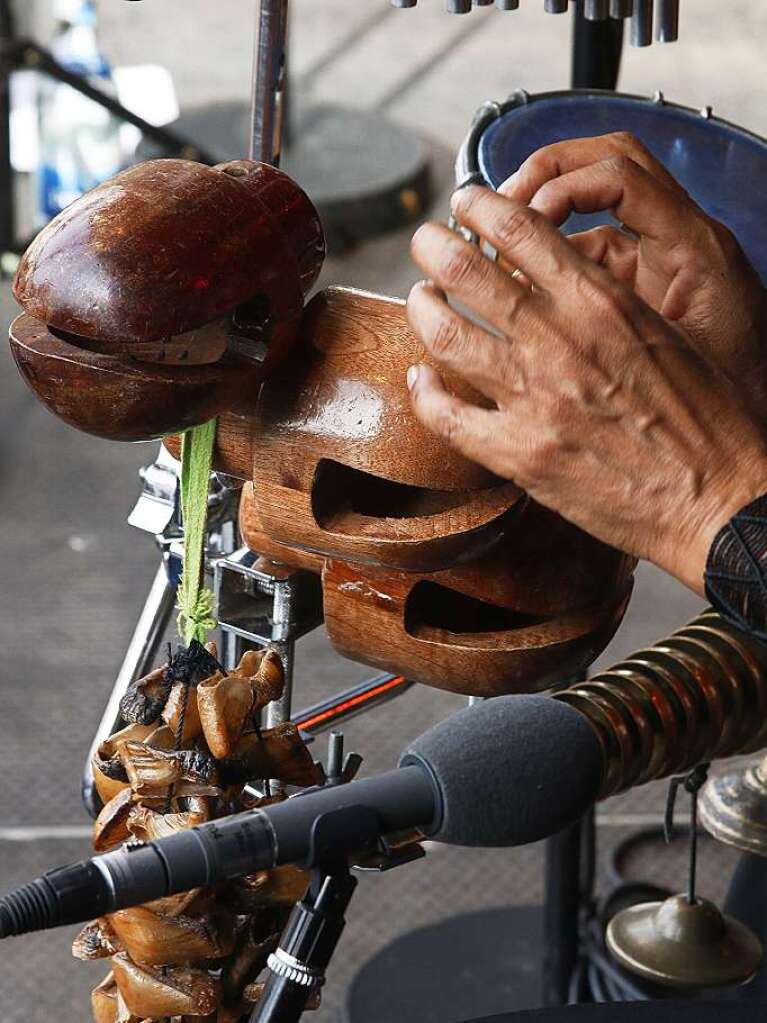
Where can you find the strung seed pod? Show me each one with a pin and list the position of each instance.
(145, 698)
(151, 769)
(226, 704)
(191, 903)
(180, 991)
(269, 681)
(252, 950)
(196, 953)
(181, 699)
(96, 940)
(108, 769)
(281, 886)
(111, 826)
(104, 1000)
(278, 752)
(155, 939)
(146, 824)
(161, 737)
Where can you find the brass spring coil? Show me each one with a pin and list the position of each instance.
(696, 696)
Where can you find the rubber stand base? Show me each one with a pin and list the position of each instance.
(463, 968)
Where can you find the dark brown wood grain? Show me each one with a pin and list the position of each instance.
(169, 245)
(533, 612)
(254, 537)
(342, 466)
(119, 398)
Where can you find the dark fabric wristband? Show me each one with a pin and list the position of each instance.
(736, 569)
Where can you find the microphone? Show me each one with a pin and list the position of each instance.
(505, 772)
(484, 777)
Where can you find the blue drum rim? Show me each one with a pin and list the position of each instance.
(468, 171)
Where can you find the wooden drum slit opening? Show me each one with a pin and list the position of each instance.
(435, 612)
(351, 501)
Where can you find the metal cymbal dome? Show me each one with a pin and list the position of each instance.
(684, 945)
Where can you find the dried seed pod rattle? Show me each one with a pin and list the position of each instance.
(190, 744)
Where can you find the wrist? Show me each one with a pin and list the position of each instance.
(687, 554)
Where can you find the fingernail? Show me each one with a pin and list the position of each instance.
(412, 376)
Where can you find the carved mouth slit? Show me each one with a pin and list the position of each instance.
(432, 610)
(343, 498)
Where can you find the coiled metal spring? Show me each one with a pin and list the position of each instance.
(696, 696)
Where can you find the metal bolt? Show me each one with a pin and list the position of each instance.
(335, 755)
(507, 5)
(555, 6)
(403, 3)
(621, 8)
(458, 6)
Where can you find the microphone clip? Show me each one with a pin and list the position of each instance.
(297, 967)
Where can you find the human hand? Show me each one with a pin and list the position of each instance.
(604, 412)
(683, 263)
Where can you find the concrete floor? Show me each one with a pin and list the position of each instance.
(76, 575)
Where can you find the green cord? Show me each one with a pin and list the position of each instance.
(195, 604)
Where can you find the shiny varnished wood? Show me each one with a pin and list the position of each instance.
(254, 537)
(343, 468)
(169, 245)
(533, 612)
(165, 296)
(119, 398)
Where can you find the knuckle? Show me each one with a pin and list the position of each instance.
(449, 424)
(601, 293)
(628, 142)
(459, 264)
(446, 336)
(621, 164)
(517, 226)
(516, 304)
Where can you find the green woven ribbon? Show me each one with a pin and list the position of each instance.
(195, 605)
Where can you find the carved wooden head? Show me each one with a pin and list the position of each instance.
(165, 295)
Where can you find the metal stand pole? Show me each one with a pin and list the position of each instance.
(564, 897)
(269, 69)
(597, 49)
(139, 659)
(7, 215)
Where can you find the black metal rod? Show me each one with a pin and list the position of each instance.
(269, 66)
(7, 211)
(24, 53)
(564, 874)
(597, 49)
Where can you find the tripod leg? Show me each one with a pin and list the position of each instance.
(139, 658)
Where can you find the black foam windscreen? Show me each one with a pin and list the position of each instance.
(510, 770)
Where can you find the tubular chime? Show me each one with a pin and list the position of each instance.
(663, 15)
(697, 696)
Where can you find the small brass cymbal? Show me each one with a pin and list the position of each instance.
(733, 807)
(684, 945)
